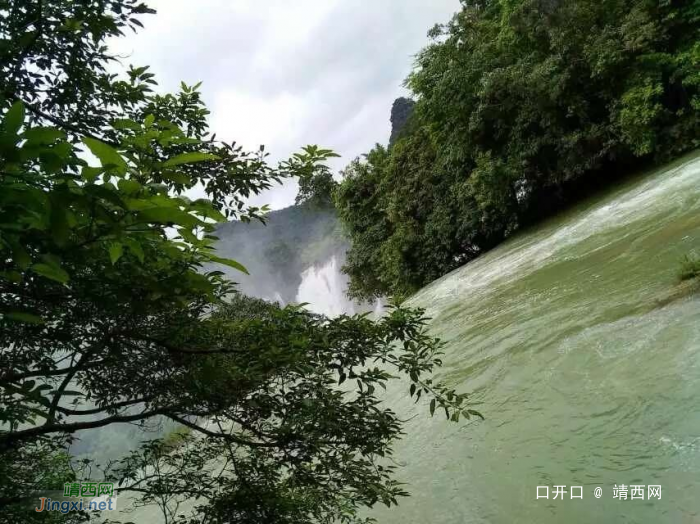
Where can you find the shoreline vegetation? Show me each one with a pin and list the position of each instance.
(522, 108)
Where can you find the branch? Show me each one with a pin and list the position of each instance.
(34, 374)
(189, 493)
(57, 121)
(59, 392)
(104, 409)
(83, 362)
(37, 431)
(225, 436)
(175, 349)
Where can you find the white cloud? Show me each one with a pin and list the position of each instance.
(257, 121)
(286, 74)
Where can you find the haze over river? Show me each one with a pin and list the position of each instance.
(583, 353)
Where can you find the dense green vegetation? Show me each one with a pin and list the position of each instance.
(521, 106)
(109, 313)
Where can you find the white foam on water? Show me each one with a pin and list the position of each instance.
(661, 192)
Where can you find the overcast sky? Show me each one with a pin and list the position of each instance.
(289, 73)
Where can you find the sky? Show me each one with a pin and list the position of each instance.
(287, 73)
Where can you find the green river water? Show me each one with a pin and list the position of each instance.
(583, 352)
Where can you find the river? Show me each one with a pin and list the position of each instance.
(583, 352)
(581, 349)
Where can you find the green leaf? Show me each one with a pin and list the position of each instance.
(71, 25)
(43, 135)
(169, 215)
(116, 250)
(189, 237)
(206, 209)
(28, 318)
(432, 407)
(230, 263)
(178, 178)
(189, 158)
(125, 123)
(90, 174)
(474, 413)
(12, 276)
(104, 192)
(20, 256)
(135, 248)
(52, 272)
(14, 118)
(138, 71)
(60, 229)
(109, 157)
(129, 186)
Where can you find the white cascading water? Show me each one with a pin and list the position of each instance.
(323, 289)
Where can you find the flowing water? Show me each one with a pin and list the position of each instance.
(323, 289)
(583, 352)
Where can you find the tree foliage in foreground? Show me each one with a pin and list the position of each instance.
(521, 104)
(107, 315)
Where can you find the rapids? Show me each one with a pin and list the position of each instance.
(583, 353)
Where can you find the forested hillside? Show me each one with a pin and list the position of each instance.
(522, 105)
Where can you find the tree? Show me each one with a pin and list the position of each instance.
(360, 205)
(316, 185)
(522, 105)
(108, 316)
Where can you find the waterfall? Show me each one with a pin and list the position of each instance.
(324, 288)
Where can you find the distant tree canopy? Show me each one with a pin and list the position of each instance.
(316, 185)
(107, 315)
(521, 105)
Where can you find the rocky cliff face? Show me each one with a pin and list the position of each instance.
(400, 113)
